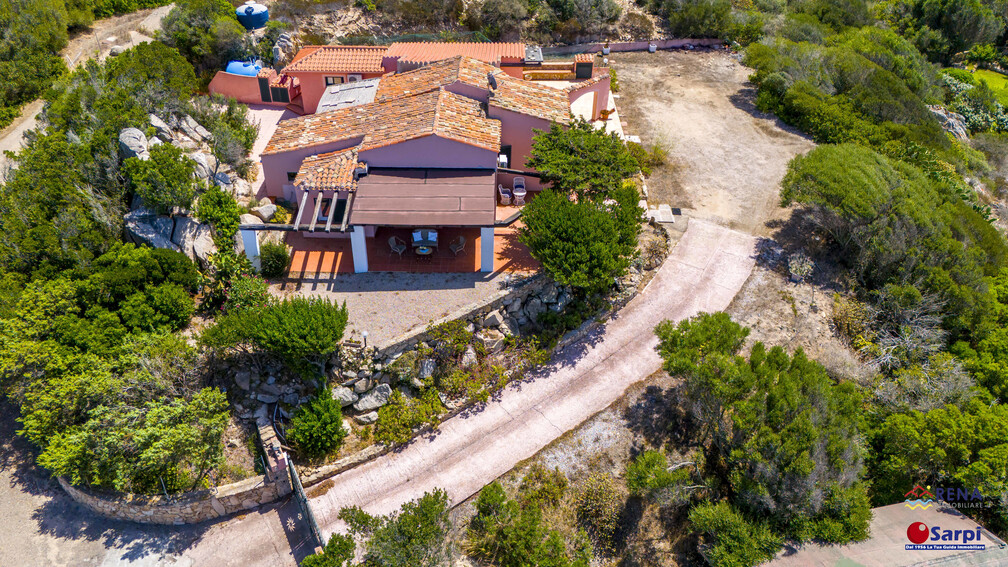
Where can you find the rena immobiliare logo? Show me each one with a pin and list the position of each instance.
(936, 538)
(919, 498)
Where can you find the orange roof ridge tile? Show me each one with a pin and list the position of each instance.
(338, 59)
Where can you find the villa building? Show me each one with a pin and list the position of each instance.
(433, 143)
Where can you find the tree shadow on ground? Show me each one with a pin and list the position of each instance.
(745, 100)
(801, 233)
(657, 417)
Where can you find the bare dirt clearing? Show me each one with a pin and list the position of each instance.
(726, 159)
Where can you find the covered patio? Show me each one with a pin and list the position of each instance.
(321, 258)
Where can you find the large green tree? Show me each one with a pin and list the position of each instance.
(585, 244)
(783, 439)
(581, 159)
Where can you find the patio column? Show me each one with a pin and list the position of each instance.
(486, 248)
(359, 246)
(251, 244)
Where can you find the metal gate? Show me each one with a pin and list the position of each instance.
(302, 500)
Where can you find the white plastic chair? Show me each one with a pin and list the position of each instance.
(519, 190)
(505, 195)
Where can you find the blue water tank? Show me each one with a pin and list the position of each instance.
(252, 15)
(245, 68)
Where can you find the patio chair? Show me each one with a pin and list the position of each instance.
(505, 195)
(458, 245)
(396, 245)
(519, 190)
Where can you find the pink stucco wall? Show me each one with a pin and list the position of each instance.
(430, 151)
(313, 86)
(516, 131)
(601, 93)
(239, 87)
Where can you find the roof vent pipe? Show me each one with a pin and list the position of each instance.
(361, 170)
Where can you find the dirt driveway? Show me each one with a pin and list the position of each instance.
(726, 159)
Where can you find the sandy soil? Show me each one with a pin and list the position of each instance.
(726, 159)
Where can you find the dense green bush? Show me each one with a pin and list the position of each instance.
(219, 209)
(512, 533)
(728, 540)
(316, 430)
(164, 181)
(788, 437)
(206, 33)
(647, 473)
(897, 224)
(32, 32)
(398, 419)
(581, 160)
(273, 259)
(338, 552)
(303, 333)
(584, 244)
(697, 18)
(416, 535)
(247, 292)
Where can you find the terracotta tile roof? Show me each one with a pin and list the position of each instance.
(428, 52)
(604, 74)
(338, 59)
(329, 171)
(389, 122)
(584, 57)
(532, 99)
(463, 69)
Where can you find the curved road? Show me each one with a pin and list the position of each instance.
(703, 273)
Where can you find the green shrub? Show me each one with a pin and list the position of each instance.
(728, 540)
(398, 419)
(542, 486)
(647, 473)
(597, 506)
(247, 292)
(220, 210)
(316, 430)
(338, 552)
(302, 332)
(585, 244)
(416, 535)
(509, 534)
(165, 180)
(273, 259)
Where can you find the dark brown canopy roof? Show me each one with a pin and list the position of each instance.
(425, 197)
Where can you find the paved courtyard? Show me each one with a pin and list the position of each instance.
(387, 304)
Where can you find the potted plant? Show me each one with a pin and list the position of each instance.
(652, 47)
(605, 48)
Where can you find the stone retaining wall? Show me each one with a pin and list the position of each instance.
(198, 506)
(631, 46)
(473, 313)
